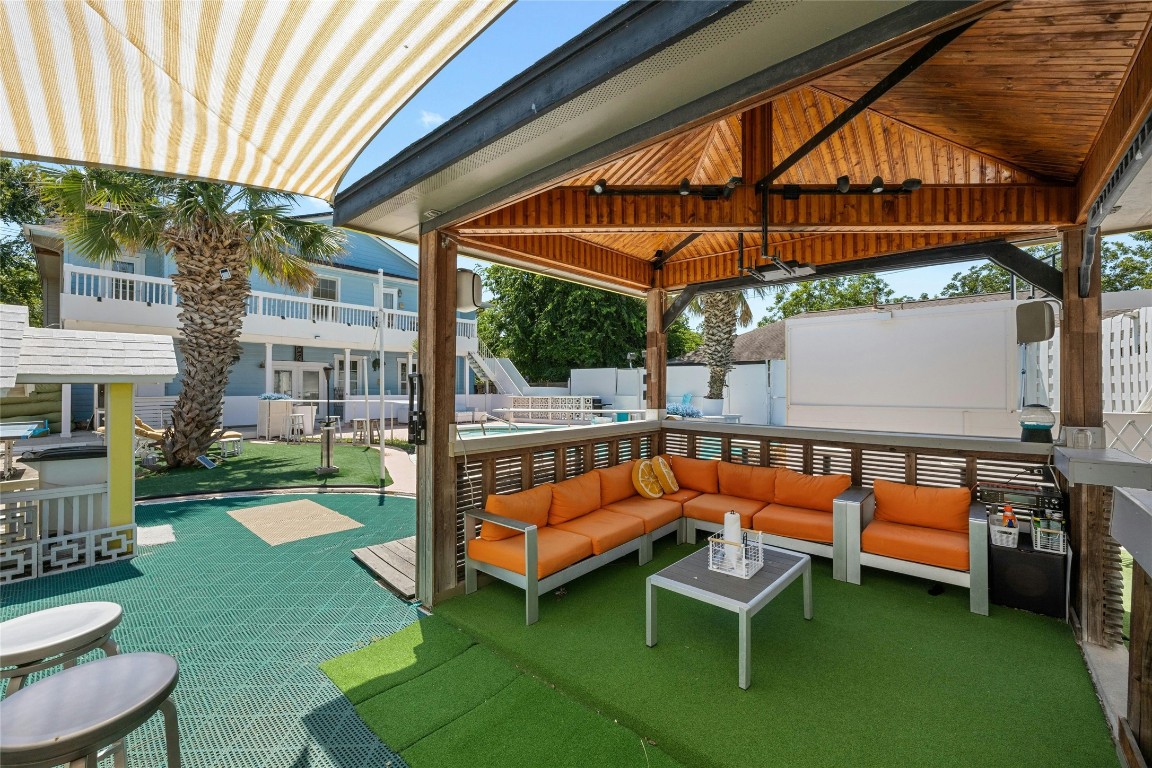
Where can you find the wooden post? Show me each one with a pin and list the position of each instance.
(435, 467)
(1082, 405)
(656, 361)
(756, 143)
(1139, 720)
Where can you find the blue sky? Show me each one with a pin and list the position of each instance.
(526, 32)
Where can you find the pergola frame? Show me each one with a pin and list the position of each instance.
(983, 189)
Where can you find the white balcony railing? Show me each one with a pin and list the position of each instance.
(105, 285)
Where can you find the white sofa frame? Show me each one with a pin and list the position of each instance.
(975, 579)
(529, 581)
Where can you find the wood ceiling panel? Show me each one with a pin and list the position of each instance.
(1029, 85)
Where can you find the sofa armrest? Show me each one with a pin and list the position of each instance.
(852, 510)
(506, 522)
(978, 558)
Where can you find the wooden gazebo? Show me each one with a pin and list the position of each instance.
(680, 148)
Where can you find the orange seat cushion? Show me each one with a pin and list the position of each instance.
(942, 508)
(931, 546)
(746, 481)
(530, 506)
(794, 522)
(712, 506)
(556, 550)
(695, 474)
(681, 496)
(606, 530)
(575, 497)
(615, 482)
(794, 489)
(653, 512)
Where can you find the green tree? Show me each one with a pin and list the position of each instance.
(721, 314)
(830, 293)
(1125, 266)
(20, 203)
(547, 327)
(216, 234)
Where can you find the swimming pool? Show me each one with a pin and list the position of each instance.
(468, 431)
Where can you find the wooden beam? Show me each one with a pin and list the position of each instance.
(579, 258)
(1131, 107)
(1140, 663)
(890, 81)
(1000, 208)
(1081, 405)
(678, 306)
(1028, 268)
(663, 256)
(756, 142)
(435, 466)
(656, 361)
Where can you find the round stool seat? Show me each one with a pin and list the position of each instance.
(48, 633)
(75, 712)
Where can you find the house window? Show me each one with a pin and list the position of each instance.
(124, 290)
(402, 375)
(325, 289)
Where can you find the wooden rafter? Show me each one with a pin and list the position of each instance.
(999, 208)
(568, 254)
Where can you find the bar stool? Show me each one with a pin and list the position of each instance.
(294, 427)
(71, 716)
(55, 637)
(360, 431)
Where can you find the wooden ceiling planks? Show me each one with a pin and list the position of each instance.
(997, 126)
(1029, 85)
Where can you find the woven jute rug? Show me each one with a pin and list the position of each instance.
(292, 521)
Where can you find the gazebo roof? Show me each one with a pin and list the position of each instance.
(1017, 119)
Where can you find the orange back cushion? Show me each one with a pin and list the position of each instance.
(530, 506)
(943, 508)
(747, 481)
(695, 474)
(665, 475)
(575, 497)
(794, 489)
(615, 483)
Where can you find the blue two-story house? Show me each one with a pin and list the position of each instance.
(289, 338)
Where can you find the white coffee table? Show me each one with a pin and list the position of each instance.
(690, 577)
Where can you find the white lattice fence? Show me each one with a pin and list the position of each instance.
(59, 529)
(1129, 432)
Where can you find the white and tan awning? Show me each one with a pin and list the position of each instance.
(279, 94)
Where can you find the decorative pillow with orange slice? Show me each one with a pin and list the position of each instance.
(664, 475)
(644, 478)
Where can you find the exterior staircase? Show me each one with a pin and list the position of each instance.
(499, 370)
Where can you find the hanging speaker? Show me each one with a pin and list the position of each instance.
(468, 291)
(1035, 321)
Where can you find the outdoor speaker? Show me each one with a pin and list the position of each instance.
(468, 291)
(1035, 321)
(1029, 580)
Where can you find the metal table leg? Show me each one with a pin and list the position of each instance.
(808, 589)
(745, 649)
(651, 614)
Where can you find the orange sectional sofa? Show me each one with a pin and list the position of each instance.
(546, 536)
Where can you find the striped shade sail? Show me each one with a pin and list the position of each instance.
(278, 94)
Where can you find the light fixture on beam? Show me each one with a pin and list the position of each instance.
(877, 185)
(685, 187)
(910, 185)
(600, 187)
(843, 184)
(731, 185)
(783, 265)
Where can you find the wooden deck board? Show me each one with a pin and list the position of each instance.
(394, 563)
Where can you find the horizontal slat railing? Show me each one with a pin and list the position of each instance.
(511, 463)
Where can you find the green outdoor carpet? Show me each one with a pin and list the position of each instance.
(440, 700)
(884, 675)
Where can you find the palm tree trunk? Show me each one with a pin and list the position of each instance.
(719, 331)
(211, 316)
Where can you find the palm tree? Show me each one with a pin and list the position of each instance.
(216, 234)
(722, 312)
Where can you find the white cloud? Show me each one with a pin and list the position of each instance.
(430, 119)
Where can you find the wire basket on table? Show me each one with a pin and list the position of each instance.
(741, 558)
(1049, 539)
(1002, 535)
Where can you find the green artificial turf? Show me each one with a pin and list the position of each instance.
(267, 465)
(441, 701)
(885, 674)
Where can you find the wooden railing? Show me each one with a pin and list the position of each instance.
(510, 463)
